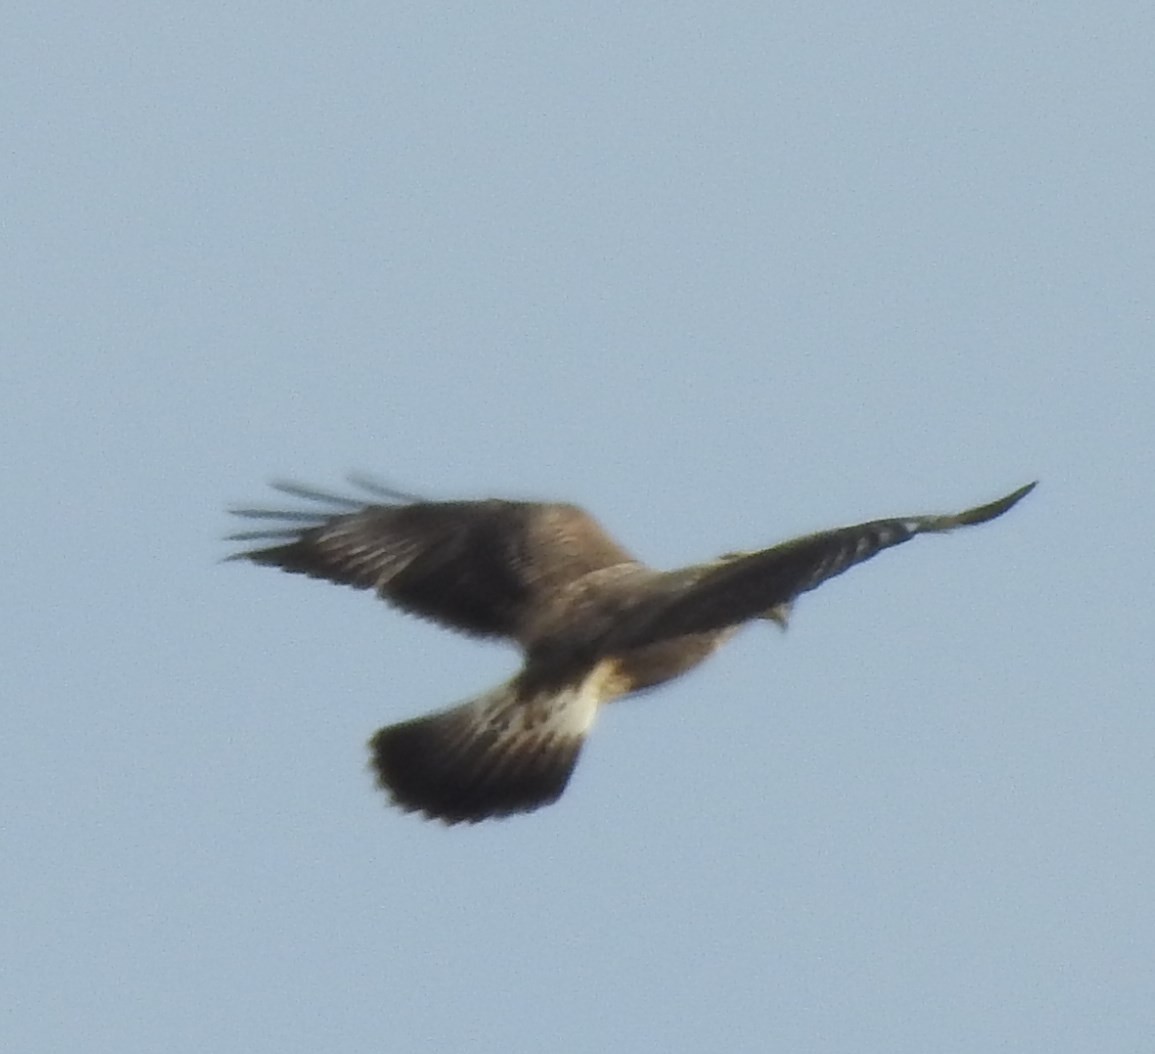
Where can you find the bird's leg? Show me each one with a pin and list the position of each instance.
(779, 614)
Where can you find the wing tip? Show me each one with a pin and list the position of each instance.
(992, 510)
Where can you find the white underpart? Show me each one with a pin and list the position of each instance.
(567, 713)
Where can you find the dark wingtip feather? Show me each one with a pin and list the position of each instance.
(372, 485)
(291, 525)
(983, 513)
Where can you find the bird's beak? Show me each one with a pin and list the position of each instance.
(779, 614)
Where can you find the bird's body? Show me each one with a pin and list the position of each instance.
(593, 622)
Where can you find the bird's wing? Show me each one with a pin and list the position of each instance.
(482, 567)
(745, 586)
(509, 751)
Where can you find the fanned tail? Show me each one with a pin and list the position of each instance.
(505, 752)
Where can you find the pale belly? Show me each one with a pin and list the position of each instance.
(655, 664)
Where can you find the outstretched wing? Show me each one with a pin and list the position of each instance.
(509, 751)
(482, 567)
(746, 586)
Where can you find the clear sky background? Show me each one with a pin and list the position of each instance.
(721, 274)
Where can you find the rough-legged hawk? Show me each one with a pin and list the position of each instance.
(593, 622)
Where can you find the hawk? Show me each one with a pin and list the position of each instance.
(592, 622)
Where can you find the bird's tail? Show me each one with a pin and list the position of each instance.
(508, 751)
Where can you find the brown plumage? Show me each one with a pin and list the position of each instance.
(593, 622)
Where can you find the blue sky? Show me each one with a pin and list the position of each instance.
(719, 274)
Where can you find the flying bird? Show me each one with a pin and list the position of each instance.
(592, 622)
